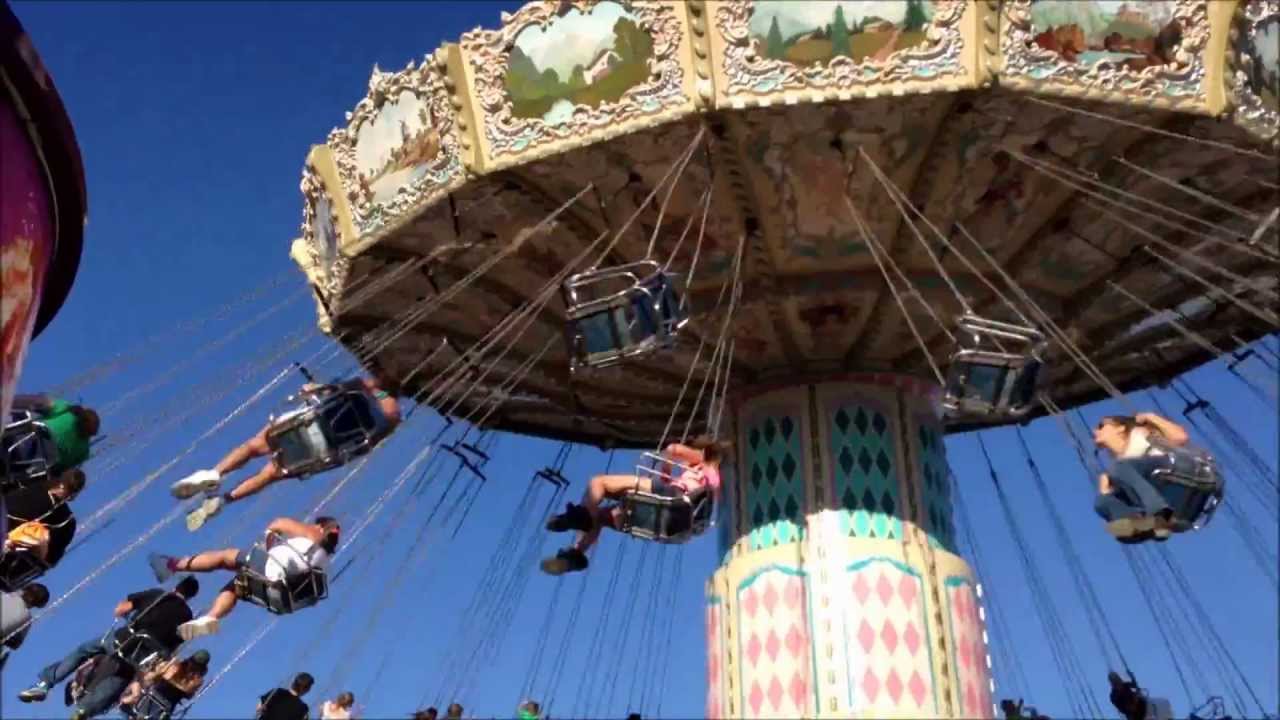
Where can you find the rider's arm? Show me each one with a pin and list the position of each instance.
(1104, 484)
(683, 454)
(41, 403)
(123, 608)
(1172, 431)
(292, 528)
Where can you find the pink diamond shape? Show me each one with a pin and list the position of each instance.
(794, 594)
(772, 646)
(795, 641)
(884, 589)
(756, 698)
(749, 602)
(964, 655)
(713, 707)
(889, 636)
(912, 638)
(776, 693)
(916, 687)
(866, 636)
(799, 689)
(894, 686)
(971, 699)
(753, 650)
(870, 685)
(860, 588)
(907, 590)
(770, 598)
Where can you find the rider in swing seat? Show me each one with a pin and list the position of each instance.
(702, 456)
(380, 398)
(40, 522)
(1127, 499)
(156, 612)
(173, 682)
(70, 427)
(293, 549)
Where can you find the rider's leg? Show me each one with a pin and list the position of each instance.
(101, 695)
(602, 486)
(61, 670)
(268, 474)
(604, 518)
(223, 604)
(255, 447)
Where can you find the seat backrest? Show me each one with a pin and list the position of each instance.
(138, 649)
(20, 567)
(27, 452)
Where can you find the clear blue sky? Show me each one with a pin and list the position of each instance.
(194, 120)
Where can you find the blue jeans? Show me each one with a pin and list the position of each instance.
(1132, 494)
(99, 697)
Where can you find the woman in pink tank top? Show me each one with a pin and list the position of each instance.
(701, 459)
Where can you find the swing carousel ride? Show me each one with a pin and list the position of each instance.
(859, 226)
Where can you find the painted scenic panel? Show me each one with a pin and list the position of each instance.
(580, 58)
(1262, 48)
(1134, 34)
(326, 235)
(396, 146)
(809, 33)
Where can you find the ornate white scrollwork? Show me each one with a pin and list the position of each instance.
(1179, 80)
(489, 51)
(1254, 18)
(432, 152)
(749, 73)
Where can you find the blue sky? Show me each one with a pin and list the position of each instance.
(194, 120)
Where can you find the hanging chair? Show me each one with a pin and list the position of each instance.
(994, 369)
(283, 596)
(662, 519)
(1189, 480)
(28, 451)
(19, 568)
(135, 648)
(614, 314)
(324, 429)
(151, 705)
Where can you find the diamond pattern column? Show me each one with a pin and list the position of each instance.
(834, 596)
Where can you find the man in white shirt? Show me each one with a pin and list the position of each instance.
(15, 616)
(293, 548)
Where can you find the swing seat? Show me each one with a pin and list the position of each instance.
(137, 649)
(20, 567)
(284, 596)
(325, 430)
(1189, 480)
(620, 313)
(663, 519)
(151, 705)
(994, 370)
(28, 451)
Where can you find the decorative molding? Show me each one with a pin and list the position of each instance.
(488, 53)
(1028, 66)
(1251, 112)
(442, 172)
(747, 73)
(326, 265)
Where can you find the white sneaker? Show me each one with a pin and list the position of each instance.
(199, 627)
(210, 507)
(196, 483)
(160, 566)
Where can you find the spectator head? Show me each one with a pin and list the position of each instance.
(454, 712)
(302, 683)
(345, 700)
(35, 595)
(188, 587)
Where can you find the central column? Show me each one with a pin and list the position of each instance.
(839, 592)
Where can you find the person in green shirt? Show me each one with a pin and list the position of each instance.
(70, 427)
(529, 710)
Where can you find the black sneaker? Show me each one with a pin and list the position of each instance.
(565, 561)
(574, 517)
